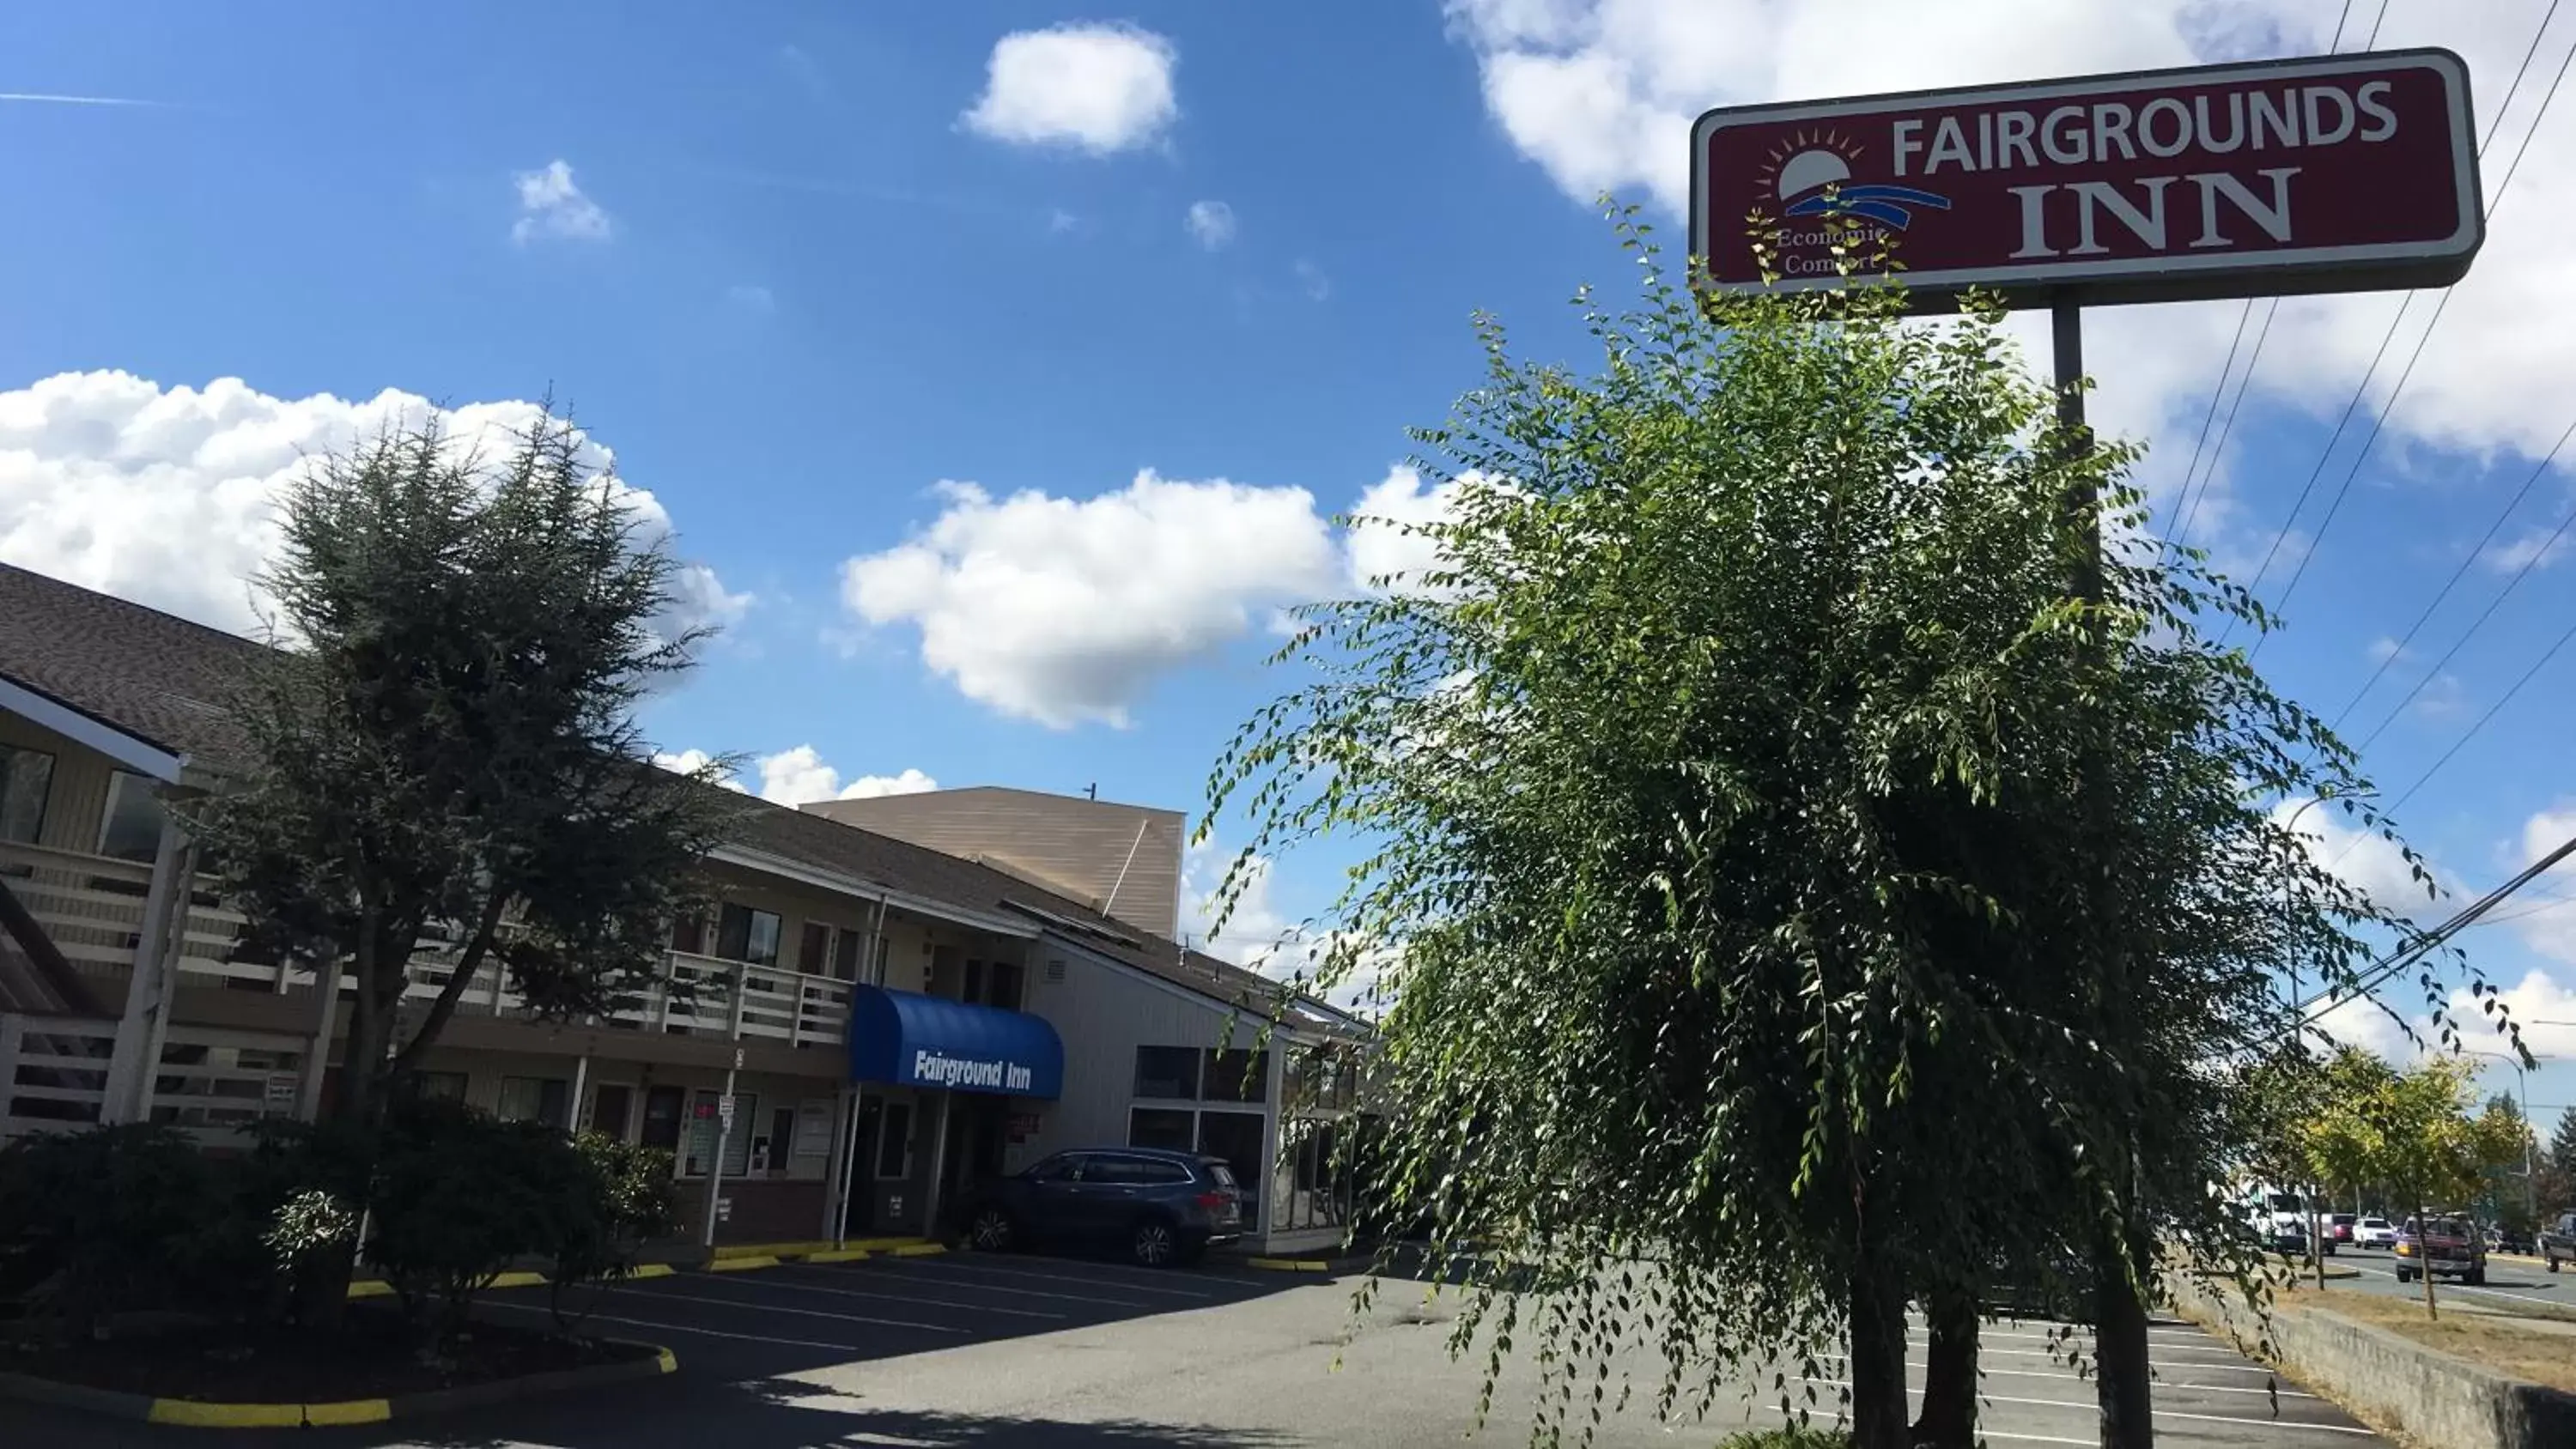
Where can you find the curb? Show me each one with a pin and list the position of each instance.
(1289, 1265)
(195, 1414)
(741, 1264)
(917, 1250)
(378, 1288)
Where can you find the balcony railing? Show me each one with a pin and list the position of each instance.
(93, 908)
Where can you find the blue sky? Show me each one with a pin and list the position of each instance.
(807, 268)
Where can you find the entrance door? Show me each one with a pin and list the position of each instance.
(610, 1102)
(662, 1108)
(859, 1213)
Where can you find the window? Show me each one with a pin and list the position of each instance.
(814, 949)
(1006, 985)
(1063, 1167)
(974, 982)
(894, 1141)
(1236, 1137)
(132, 830)
(24, 777)
(441, 1086)
(1167, 1072)
(689, 935)
(534, 1099)
(1172, 1129)
(749, 936)
(706, 1125)
(782, 1133)
(1237, 1076)
(845, 956)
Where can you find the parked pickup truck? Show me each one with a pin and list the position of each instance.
(2558, 1241)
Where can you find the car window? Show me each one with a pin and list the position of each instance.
(1220, 1174)
(1063, 1167)
(1153, 1171)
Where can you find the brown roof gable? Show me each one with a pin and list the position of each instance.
(143, 673)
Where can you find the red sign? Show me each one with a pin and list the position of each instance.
(2338, 173)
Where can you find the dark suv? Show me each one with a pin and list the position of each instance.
(1162, 1207)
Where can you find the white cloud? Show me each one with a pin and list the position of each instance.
(1063, 610)
(2532, 548)
(1210, 223)
(793, 777)
(752, 298)
(167, 496)
(1384, 549)
(2366, 860)
(551, 206)
(690, 762)
(1311, 279)
(1600, 93)
(1094, 88)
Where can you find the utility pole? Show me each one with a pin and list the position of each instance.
(2522, 1095)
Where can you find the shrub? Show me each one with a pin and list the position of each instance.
(457, 1195)
(100, 1222)
(1790, 1438)
(628, 1200)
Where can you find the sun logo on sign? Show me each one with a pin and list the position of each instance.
(1812, 176)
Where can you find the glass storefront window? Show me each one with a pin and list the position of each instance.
(1236, 1137)
(1167, 1128)
(1237, 1076)
(1171, 1073)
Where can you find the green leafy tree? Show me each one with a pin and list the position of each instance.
(446, 741)
(2413, 1130)
(1797, 903)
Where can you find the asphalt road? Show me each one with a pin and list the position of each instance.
(1043, 1353)
(2512, 1287)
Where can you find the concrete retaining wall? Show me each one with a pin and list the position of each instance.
(2433, 1398)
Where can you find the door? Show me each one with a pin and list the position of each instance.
(859, 1213)
(662, 1107)
(610, 1103)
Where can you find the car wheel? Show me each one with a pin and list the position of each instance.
(2405, 1277)
(1155, 1244)
(2553, 1265)
(2475, 1277)
(990, 1232)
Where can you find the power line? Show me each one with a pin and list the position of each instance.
(2244, 385)
(2506, 698)
(2398, 960)
(2215, 394)
(2390, 405)
(2531, 561)
(2185, 506)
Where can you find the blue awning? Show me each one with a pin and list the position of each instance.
(907, 1039)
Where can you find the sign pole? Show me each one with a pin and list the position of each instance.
(715, 1168)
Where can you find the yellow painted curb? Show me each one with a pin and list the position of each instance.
(669, 1361)
(518, 1280)
(918, 1250)
(838, 1255)
(1290, 1265)
(884, 1245)
(650, 1270)
(770, 1250)
(371, 1288)
(191, 1414)
(737, 1265)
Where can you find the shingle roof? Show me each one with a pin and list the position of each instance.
(146, 674)
(163, 680)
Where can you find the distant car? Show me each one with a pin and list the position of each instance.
(1160, 1207)
(2558, 1241)
(2374, 1233)
(2439, 1247)
(2339, 1226)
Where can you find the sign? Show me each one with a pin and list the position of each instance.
(1023, 1125)
(2336, 173)
(933, 1068)
(724, 1111)
(281, 1090)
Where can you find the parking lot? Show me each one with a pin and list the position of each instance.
(1052, 1353)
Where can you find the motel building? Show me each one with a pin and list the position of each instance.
(903, 996)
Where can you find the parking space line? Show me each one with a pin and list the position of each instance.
(1982, 1431)
(2241, 1368)
(657, 1324)
(2092, 1406)
(776, 1280)
(2161, 1382)
(953, 1265)
(979, 1286)
(781, 1308)
(2159, 1345)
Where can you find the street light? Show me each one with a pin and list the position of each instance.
(2522, 1093)
(2290, 962)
